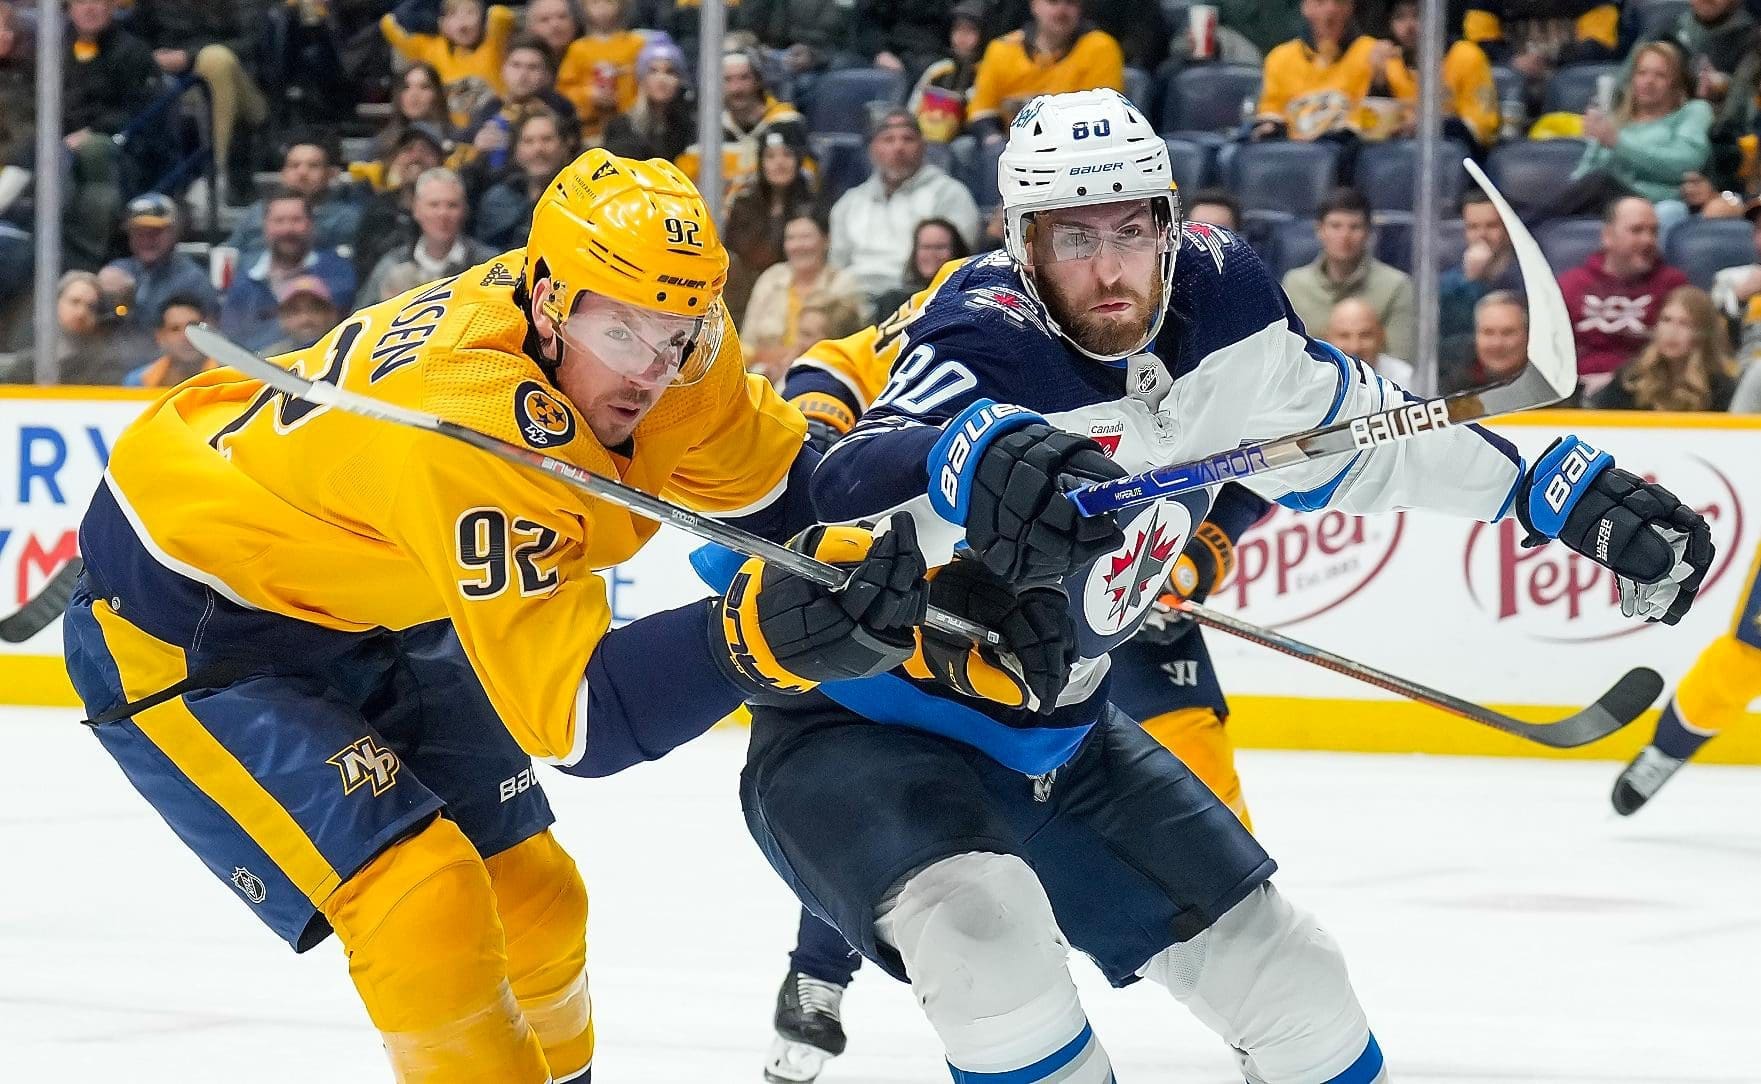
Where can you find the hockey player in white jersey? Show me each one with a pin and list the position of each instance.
(1005, 813)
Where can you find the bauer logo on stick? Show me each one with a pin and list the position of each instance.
(545, 421)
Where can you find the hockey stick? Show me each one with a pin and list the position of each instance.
(224, 350)
(40, 612)
(1620, 705)
(1550, 375)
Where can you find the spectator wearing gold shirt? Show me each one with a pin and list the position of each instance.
(1315, 85)
(1055, 53)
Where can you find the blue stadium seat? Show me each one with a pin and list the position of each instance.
(1647, 19)
(1140, 87)
(1572, 87)
(1702, 247)
(1191, 162)
(1567, 242)
(841, 98)
(843, 162)
(1208, 97)
(1261, 229)
(1394, 240)
(1531, 173)
(981, 175)
(1293, 244)
(1387, 173)
(1283, 176)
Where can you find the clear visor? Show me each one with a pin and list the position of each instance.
(648, 347)
(1066, 242)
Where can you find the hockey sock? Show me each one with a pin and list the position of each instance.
(1712, 696)
(543, 907)
(822, 953)
(1676, 737)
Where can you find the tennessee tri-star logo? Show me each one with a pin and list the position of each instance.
(1142, 567)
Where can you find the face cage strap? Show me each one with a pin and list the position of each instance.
(1168, 218)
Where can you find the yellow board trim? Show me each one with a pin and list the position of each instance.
(1567, 420)
(148, 665)
(36, 681)
(75, 393)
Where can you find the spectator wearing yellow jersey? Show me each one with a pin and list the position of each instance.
(468, 50)
(1315, 85)
(1537, 37)
(598, 73)
(749, 115)
(1055, 53)
(1470, 103)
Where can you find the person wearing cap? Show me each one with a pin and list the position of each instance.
(181, 359)
(159, 271)
(663, 121)
(306, 313)
(442, 247)
(310, 163)
(250, 308)
(940, 96)
(748, 113)
(1054, 53)
(872, 224)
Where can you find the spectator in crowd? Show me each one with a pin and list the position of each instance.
(823, 316)
(663, 122)
(1718, 39)
(749, 113)
(934, 242)
(910, 36)
(1140, 29)
(467, 51)
(1687, 365)
(1655, 136)
(108, 77)
(1488, 263)
(1736, 291)
(1315, 84)
(1470, 100)
(131, 338)
(248, 309)
(752, 229)
(1215, 207)
(86, 348)
(543, 144)
(310, 164)
(442, 247)
(1699, 197)
(18, 95)
(1537, 37)
(940, 97)
(598, 72)
(1355, 328)
(307, 312)
(386, 221)
(1613, 296)
(158, 270)
(1231, 41)
(1501, 344)
(214, 40)
(527, 76)
(1056, 52)
(771, 332)
(418, 98)
(179, 359)
(556, 23)
(872, 223)
(811, 35)
(1266, 24)
(1345, 269)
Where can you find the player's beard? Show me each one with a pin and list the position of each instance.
(1096, 332)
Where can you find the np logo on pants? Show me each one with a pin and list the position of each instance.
(366, 762)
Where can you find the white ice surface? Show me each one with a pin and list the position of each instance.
(1502, 925)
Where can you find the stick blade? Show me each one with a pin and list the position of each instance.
(224, 350)
(40, 612)
(1636, 690)
(1553, 351)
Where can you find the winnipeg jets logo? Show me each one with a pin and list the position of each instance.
(1016, 306)
(1615, 315)
(1122, 584)
(1210, 239)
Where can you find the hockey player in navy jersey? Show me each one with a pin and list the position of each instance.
(1005, 812)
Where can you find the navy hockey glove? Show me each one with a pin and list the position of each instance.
(1039, 639)
(1203, 565)
(1657, 547)
(1001, 472)
(786, 634)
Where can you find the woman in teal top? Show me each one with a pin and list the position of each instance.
(1656, 134)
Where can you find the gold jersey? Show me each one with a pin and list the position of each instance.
(354, 524)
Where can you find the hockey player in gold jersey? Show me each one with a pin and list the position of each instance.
(1713, 696)
(326, 648)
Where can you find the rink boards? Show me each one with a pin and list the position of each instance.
(1456, 605)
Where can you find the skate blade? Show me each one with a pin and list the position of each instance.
(790, 1062)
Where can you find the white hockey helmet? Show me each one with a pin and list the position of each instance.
(1082, 148)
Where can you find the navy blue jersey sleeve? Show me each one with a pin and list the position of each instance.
(1236, 509)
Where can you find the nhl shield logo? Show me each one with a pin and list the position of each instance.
(545, 421)
(249, 884)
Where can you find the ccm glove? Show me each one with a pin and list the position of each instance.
(1001, 472)
(1202, 567)
(1039, 640)
(786, 634)
(828, 419)
(1657, 547)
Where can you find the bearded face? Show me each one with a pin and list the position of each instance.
(1098, 271)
